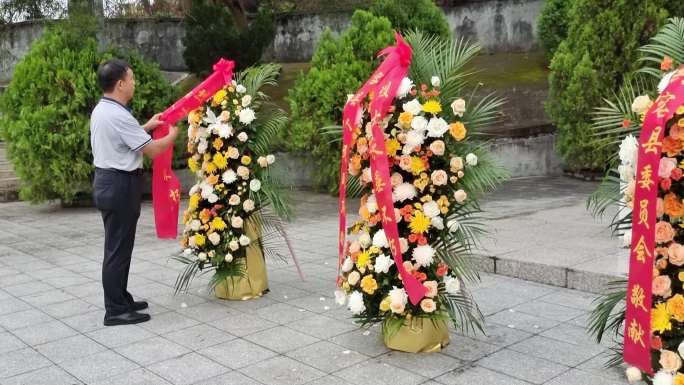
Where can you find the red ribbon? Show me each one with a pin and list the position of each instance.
(637, 339)
(165, 184)
(382, 87)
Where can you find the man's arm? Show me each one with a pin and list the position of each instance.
(157, 146)
(153, 123)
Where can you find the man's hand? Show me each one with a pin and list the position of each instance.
(153, 123)
(173, 133)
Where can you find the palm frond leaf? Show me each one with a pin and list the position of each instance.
(609, 314)
(669, 41)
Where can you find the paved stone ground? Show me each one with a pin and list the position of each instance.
(51, 318)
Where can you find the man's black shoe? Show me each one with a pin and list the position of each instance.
(129, 318)
(139, 305)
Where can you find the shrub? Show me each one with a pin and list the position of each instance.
(408, 15)
(553, 25)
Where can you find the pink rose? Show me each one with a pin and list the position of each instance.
(439, 177)
(405, 163)
(661, 286)
(676, 254)
(437, 147)
(670, 360)
(432, 288)
(428, 305)
(397, 179)
(666, 167)
(664, 232)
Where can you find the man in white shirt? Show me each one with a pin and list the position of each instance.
(118, 143)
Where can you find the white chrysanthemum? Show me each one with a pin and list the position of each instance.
(246, 100)
(255, 185)
(340, 297)
(207, 190)
(404, 88)
(398, 296)
(247, 116)
(453, 225)
(663, 378)
(419, 123)
(413, 107)
(194, 189)
(347, 265)
(365, 240)
(229, 177)
(225, 130)
(383, 263)
(626, 172)
(414, 139)
(437, 127)
(435, 81)
(214, 238)
(438, 223)
(629, 150)
(244, 240)
(471, 159)
(240, 89)
(424, 255)
(452, 285)
(202, 146)
(380, 239)
(195, 224)
(355, 304)
(403, 192)
(431, 209)
(665, 81)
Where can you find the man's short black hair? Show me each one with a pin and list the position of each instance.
(111, 72)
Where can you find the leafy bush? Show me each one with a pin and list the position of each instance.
(553, 25)
(409, 15)
(211, 33)
(46, 110)
(600, 49)
(338, 67)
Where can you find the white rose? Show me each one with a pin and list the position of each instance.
(246, 100)
(431, 209)
(248, 205)
(663, 378)
(633, 375)
(452, 285)
(460, 196)
(458, 107)
(404, 88)
(228, 258)
(243, 172)
(438, 223)
(419, 123)
(247, 116)
(641, 104)
(213, 198)
(270, 159)
(356, 305)
(240, 89)
(353, 278)
(242, 137)
(453, 225)
(236, 222)
(340, 297)
(437, 127)
(383, 263)
(423, 255)
(372, 204)
(202, 257)
(456, 163)
(347, 265)
(435, 81)
(195, 225)
(234, 200)
(665, 81)
(255, 185)
(244, 240)
(365, 240)
(187, 251)
(413, 107)
(225, 130)
(214, 238)
(471, 159)
(380, 239)
(234, 245)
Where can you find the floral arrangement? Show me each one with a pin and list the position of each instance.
(236, 189)
(437, 172)
(620, 122)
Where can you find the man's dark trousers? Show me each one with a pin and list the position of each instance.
(117, 194)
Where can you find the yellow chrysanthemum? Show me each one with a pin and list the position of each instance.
(218, 224)
(219, 96)
(374, 250)
(209, 167)
(385, 304)
(220, 161)
(194, 201)
(246, 160)
(405, 119)
(392, 146)
(417, 165)
(363, 259)
(199, 239)
(432, 107)
(419, 223)
(660, 318)
(195, 116)
(443, 203)
(192, 165)
(369, 285)
(457, 131)
(218, 144)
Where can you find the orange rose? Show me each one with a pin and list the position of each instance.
(675, 306)
(672, 146)
(666, 64)
(673, 205)
(457, 131)
(664, 232)
(662, 286)
(670, 361)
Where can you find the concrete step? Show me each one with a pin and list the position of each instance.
(9, 183)
(6, 173)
